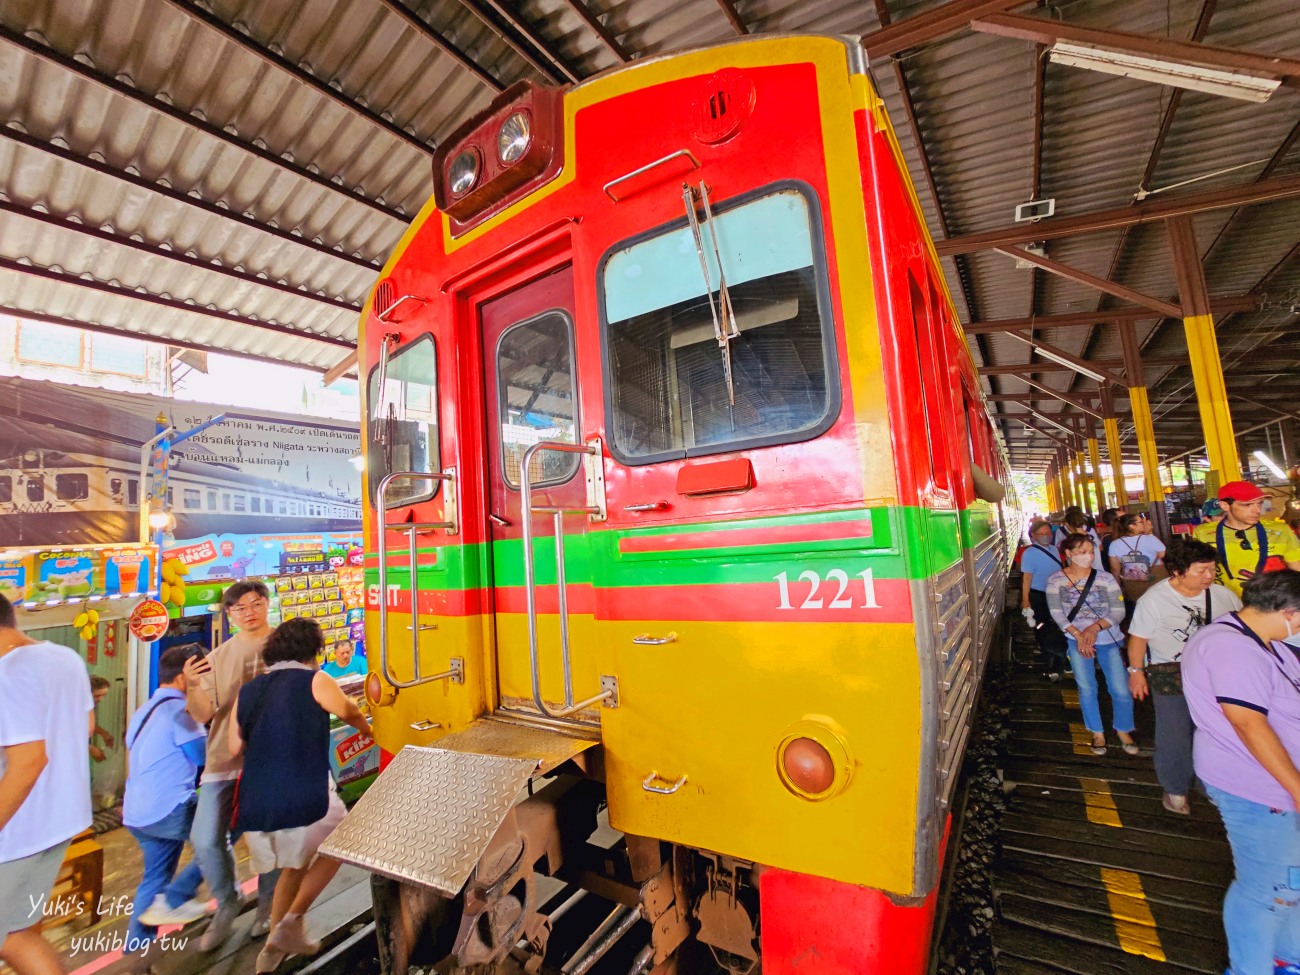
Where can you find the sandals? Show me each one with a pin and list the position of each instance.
(1130, 747)
(1099, 744)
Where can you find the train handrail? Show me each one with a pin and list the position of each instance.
(457, 672)
(596, 509)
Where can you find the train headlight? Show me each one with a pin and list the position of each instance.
(514, 137)
(462, 173)
(379, 694)
(813, 760)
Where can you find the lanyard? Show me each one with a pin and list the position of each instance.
(1261, 540)
(1241, 627)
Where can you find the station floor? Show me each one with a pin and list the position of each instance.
(1093, 876)
(94, 947)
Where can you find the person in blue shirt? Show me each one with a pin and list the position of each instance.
(345, 663)
(166, 749)
(1039, 561)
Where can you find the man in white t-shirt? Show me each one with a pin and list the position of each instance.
(1166, 617)
(46, 718)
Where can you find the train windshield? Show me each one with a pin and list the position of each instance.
(403, 423)
(675, 388)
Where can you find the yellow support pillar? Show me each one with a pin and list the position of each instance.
(1081, 479)
(1067, 482)
(1146, 438)
(1049, 482)
(1094, 454)
(1203, 350)
(1115, 454)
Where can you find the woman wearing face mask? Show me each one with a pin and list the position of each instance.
(1087, 604)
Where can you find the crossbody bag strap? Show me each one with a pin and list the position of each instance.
(1083, 596)
(140, 731)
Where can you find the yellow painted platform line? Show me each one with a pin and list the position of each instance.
(1070, 698)
(1098, 801)
(1134, 925)
(1081, 737)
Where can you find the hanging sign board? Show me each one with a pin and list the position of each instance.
(148, 621)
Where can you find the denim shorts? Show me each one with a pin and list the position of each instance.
(27, 883)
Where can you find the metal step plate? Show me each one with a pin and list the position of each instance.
(512, 739)
(430, 815)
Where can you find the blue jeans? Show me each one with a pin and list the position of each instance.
(1261, 914)
(161, 843)
(211, 838)
(1111, 658)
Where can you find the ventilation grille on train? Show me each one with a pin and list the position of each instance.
(385, 295)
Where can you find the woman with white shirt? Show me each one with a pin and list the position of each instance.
(1135, 558)
(1166, 617)
(1087, 604)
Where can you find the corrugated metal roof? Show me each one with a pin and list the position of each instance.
(232, 173)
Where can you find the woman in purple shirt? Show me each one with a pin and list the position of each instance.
(1243, 688)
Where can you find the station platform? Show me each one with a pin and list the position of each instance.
(1093, 876)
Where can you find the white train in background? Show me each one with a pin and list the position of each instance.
(73, 498)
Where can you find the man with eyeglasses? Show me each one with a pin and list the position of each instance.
(1245, 543)
(211, 686)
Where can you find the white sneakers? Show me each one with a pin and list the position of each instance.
(159, 914)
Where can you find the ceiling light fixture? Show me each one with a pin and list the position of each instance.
(1267, 461)
(1060, 360)
(1180, 74)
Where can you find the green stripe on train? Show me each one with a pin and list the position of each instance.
(905, 543)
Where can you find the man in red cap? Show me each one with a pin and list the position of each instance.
(1245, 544)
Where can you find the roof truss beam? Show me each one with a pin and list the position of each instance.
(550, 66)
(153, 250)
(933, 25)
(299, 73)
(175, 304)
(440, 41)
(733, 17)
(1083, 277)
(1264, 191)
(1042, 30)
(1223, 305)
(195, 122)
(603, 33)
(180, 196)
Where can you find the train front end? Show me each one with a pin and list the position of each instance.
(644, 579)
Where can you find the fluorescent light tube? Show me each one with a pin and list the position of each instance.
(1062, 361)
(1267, 461)
(1212, 81)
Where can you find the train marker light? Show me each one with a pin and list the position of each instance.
(514, 137)
(378, 694)
(813, 760)
(463, 172)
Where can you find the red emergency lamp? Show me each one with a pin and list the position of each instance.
(502, 154)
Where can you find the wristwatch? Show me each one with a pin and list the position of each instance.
(1137, 670)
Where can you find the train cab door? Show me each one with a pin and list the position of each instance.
(529, 359)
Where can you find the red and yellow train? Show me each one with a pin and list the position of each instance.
(685, 511)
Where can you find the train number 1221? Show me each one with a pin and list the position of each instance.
(837, 591)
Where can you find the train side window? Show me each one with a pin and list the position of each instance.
(284, 508)
(671, 382)
(35, 488)
(6, 490)
(225, 501)
(212, 500)
(402, 423)
(133, 493)
(927, 379)
(239, 503)
(256, 505)
(71, 487)
(537, 401)
(192, 499)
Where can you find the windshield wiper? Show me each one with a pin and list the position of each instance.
(724, 321)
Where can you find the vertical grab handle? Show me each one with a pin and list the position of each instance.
(596, 508)
(457, 672)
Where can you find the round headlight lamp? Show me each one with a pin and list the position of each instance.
(514, 137)
(463, 172)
